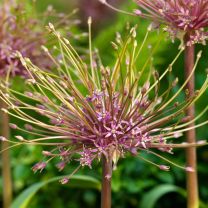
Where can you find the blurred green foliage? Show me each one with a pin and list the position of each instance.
(133, 178)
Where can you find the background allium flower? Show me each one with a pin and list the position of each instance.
(188, 21)
(19, 32)
(188, 16)
(24, 32)
(85, 113)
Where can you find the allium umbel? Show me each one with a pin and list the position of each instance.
(89, 111)
(22, 31)
(181, 16)
(19, 32)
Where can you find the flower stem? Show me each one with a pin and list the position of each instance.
(106, 183)
(191, 156)
(6, 171)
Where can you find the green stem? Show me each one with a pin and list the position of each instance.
(6, 171)
(191, 155)
(106, 183)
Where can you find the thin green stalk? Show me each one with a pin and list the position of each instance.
(106, 183)
(191, 155)
(6, 170)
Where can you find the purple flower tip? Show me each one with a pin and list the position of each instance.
(3, 139)
(13, 126)
(61, 166)
(134, 151)
(46, 153)
(189, 169)
(137, 12)
(39, 166)
(64, 180)
(108, 176)
(164, 167)
(202, 142)
(20, 138)
(28, 127)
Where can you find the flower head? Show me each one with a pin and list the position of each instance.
(20, 31)
(186, 16)
(89, 112)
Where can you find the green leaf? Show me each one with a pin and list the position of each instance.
(150, 199)
(22, 201)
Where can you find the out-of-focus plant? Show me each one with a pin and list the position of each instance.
(16, 33)
(186, 20)
(92, 113)
(181, 18)
(23, 200)
(22, 31)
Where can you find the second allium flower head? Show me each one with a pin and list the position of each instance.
(96, 111)
(21, 32)
(187, 16)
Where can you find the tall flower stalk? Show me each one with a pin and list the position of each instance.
(6, 169)
(187, 20)
(106, 182)
(90, 112)
(12, 38)
(191, 154)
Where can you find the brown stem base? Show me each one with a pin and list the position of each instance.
(6, 171)
(191, 155)
(106, 183)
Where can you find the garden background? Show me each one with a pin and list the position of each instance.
(134, 183)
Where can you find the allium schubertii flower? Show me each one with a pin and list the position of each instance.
(181, 16)
(24, 32)
(19, 32)
(87, 111)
